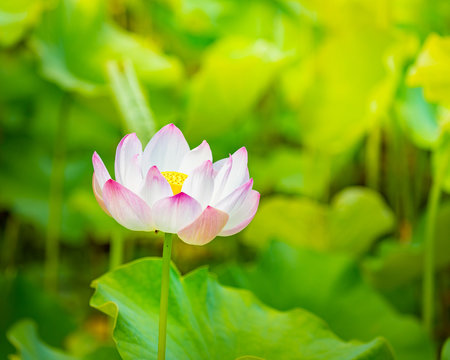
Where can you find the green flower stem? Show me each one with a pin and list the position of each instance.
(429, 261)
(165, 277)
(56, 198)
(116, 250)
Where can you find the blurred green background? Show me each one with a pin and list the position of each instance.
(343, 106)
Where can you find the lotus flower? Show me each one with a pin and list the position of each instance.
(171, 188)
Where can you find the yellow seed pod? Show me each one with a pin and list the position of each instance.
(175, 180)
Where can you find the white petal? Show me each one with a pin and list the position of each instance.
(235, 199)
(128, 162)
(239, 171)
(126, 207)
(173, 213)
(200, 184)
(166, 149)
(219, 164)
(221, 178)
(242, 216)
(100, 171)
(196, 157)
(155, 187)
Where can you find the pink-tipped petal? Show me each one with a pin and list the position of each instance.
(239, 171)
(221, 178)
(173, 213)
(99, 194)
(100, 171)
(205, 228)
(200, 183)
(235, 199)
(155, 187)
(196, 157)
(126, 207)
(166, 149)
(241, 217)
(128, 162)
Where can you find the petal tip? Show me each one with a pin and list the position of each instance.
(180, 195)
(112, 184)
(126, 137)
(208, 163)
(243, 149)
(249, 183)
(170, 127)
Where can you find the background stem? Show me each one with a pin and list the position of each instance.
(165, 277)
(10, 240)
(116, 250)
(429, 263)
(373, 158)
(56, 198)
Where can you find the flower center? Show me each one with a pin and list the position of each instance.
(175, 180)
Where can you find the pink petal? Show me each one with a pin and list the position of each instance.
(200, 183)
(128, 162)
(239, 171)
(235, 199)
(166, 149)
(99, 194)
(176, 212)
(100, 171)
(196, 157)
(126, 207)
(205, 228)
(221, 177)
(155, 187)
(241, 217)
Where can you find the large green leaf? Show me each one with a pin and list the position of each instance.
(298, 221)
(332, 287)
(24, 337)
(190, 26)
(75, 41)
(431, 69)
(445, 354)
(334, 115)
(291, 171)
(356, 218)
(15, 304)
(30, 347)
(234, 75)
(16, 17)
(417, 118)
(209, 321)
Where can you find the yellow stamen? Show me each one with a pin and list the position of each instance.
(175, 180)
